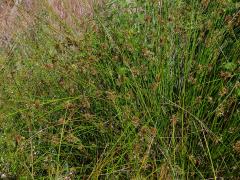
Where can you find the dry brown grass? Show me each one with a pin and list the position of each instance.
(16, 15)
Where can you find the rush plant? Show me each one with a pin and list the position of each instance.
(141, 90)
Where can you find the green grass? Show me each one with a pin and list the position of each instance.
(141, 91)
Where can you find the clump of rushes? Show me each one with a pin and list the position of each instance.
(149, 90)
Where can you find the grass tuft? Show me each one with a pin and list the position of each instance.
(141, 90)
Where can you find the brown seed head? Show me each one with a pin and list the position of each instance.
(174, 120)
(225, 75)
(49, 66)
(69, 105)
(210, 99)
(220, 111)
(153, 131)
(192, 80)
(71, 138)
(135, 121)
(223, 91)
(111, 95)
(236, 147)
(85, 103)
(198, 100)
(37, 104)
(88, 116)
(19, 138)
(148, 19)
(61, 121)
(135, 71)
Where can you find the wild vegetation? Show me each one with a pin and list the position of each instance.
(141, 90)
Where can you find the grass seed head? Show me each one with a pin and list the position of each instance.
(192, 80)
(135, 71)
(61, 121)
(225, 75)
(154, 86)
(85, 103)
(19, 138)
(210, 99)
(111, 95)
(198, 100)
(69, 105)
(236, 147)
(71, 138)
(220, 111)
(148, 19)
(147, 53)
(37, 104)
(205, 3)
(49, 66)
(135, 121)
(174, 120)
(153, 131)
(223, 91)
(88, 116)
(55, 140)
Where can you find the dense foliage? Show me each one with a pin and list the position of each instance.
(145, 90)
